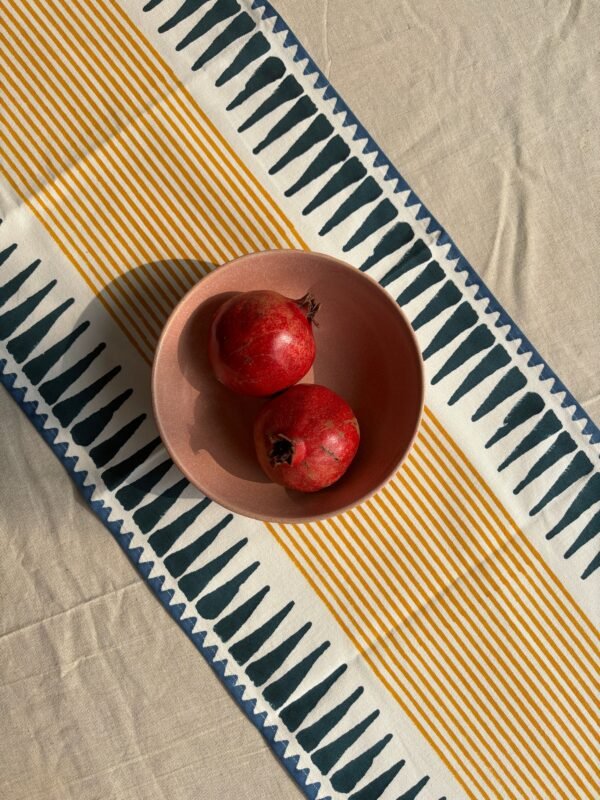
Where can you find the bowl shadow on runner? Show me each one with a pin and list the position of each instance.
(129, 288)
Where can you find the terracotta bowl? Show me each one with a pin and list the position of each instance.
(366, 351)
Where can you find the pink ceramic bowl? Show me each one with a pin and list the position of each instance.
(366, 351)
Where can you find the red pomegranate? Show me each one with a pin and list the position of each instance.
(306, 438)
(262, 342)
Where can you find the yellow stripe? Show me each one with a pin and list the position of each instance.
(426, 502)
(247, 184)
(442, 677)
(546, 645)
(89, 130)
(74, 106)
(162, 166)
(61, 180)
(452, 687)
(403, 664)
(556, 592)
(325, 577)
(235, 209)
(53, 184)
(88, 92)
(529, 721)
(83, 191)
(73, 212)
(70, 248)
(473, 788)
(195, 177)
(426, 609)
(142, 173)
(439, 709)
(447, 664)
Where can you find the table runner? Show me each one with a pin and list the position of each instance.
(450, 613)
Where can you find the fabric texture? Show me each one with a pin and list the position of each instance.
(457, 536)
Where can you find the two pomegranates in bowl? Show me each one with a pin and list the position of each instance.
(367, 353)
(261, 344)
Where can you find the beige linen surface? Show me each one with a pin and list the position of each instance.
(492, 112)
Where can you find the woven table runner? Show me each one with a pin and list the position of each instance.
(436, 641)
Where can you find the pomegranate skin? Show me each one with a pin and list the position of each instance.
(306, 438)
(262, 342)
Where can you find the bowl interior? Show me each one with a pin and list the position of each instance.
(365, 351)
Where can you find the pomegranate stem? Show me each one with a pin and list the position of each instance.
(310, 307)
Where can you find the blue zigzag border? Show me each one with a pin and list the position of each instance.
(381, 160)
(165, 596)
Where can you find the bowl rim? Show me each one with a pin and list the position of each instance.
(302, 518)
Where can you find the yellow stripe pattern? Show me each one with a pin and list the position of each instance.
(447, 601)
(120, 163)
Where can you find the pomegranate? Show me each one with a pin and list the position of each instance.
(306, 438)
(262, 342)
